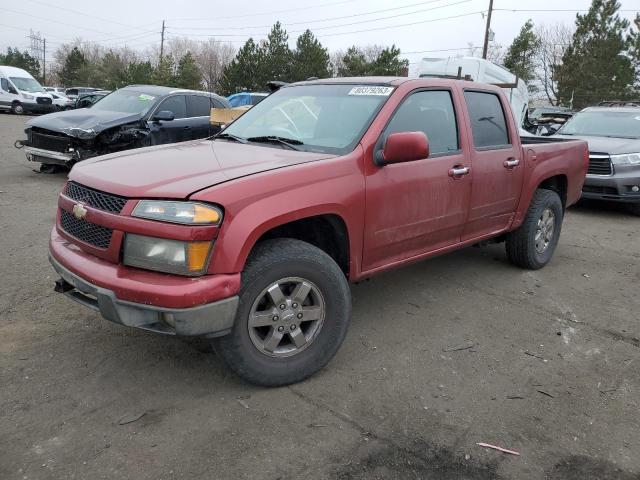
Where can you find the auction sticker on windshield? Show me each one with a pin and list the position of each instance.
(371, 90)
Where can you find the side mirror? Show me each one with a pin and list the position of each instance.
(163, 116)
(403, 147)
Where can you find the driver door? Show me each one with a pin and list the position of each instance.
(173, 131)
(417, 207)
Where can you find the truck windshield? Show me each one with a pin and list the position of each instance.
(27, 84)
(318, 118)
(602, 123)
(125, 101)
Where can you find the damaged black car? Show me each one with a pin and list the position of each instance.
(132, 117)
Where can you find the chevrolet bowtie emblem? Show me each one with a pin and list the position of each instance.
(79, 211)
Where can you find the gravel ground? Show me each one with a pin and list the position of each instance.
(441, 355)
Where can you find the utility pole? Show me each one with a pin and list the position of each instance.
(162, 42)
(487, 30)
(44, 61)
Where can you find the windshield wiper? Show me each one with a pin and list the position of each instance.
(287, 142)
(230, 136)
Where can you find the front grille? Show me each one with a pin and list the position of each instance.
(85, 231)
(600, 165)
(56, 143)
(95, 198)
(43, 100)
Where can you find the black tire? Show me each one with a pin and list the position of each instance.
(49, 168)
(17, 108)
(635, 209)
(521, 243)
(272, 261)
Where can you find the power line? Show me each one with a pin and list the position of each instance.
(245, 35)
(573, 10)
(269, 12)
(342, 17)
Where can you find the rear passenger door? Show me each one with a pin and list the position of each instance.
(199, 112)
(498, 170)
(173, 131)
(420, 206)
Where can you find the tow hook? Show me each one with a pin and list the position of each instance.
(62, 286)
(20, 143)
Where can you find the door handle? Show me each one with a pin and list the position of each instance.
(187, 127)
(459, 171)
(512, 162)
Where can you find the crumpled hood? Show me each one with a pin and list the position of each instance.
(610, 145)
(84, 123)
(180, 169)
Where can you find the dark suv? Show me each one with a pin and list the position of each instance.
(613, 134)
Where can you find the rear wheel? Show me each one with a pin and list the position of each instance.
(532, 245)
(17, 108)
(294, 311)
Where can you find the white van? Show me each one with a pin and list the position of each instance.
(485, 71)
(20, 92)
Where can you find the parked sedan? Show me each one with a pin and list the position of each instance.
(132, 117)
(613, 134)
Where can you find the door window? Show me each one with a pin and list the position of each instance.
(488, 122)
(175, 104)
(4, 83)
(431, 112)
(199, 105)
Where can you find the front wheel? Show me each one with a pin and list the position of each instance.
(293, 314)
(532, 245)
(17, 108)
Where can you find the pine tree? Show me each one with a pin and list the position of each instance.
(385, 62)
(138, 73)
(310, 58)
(74, 68)
(163, 74)
(112, 71)
(597, 65)
(520, 57)
(245, 72)
(354, 63)
(277, 56)
(388, 63)
(188, 74)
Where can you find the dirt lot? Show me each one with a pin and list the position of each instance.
(441, 355)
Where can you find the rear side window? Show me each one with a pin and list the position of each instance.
(431, 112)
(199, 106)
(5, 84)
(488, 123)
(175, 104)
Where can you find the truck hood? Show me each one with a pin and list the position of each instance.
(609, 145)
(84, 123)
(180, 169)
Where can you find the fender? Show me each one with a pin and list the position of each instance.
(258, 203)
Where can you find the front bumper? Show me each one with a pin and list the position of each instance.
(38, 107)
(47, 156)
(209, 320)
(617, 187)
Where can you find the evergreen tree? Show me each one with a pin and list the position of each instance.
(385, 62)
(310, 58)
(388, 63)
(245, 72)
(277, 56)
(112, 71)
(138, 73)
(163, 74)
(597, 65)
(74, 69)
(354, 63)
(188, 74)
(16, 58)
(520, 56)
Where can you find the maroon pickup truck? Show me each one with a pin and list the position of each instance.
(251, 237)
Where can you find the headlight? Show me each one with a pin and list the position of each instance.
(27, 97)
(626, 159)
(170, 256)
(178, 212)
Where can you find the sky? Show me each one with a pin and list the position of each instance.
(426, 28)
